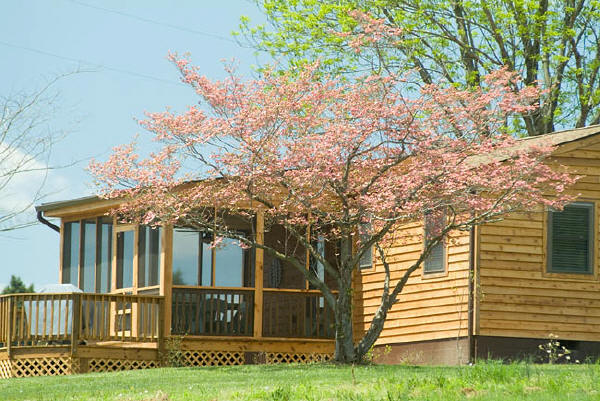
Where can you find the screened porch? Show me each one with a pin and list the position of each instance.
(209, 291)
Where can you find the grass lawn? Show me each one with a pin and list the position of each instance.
(485, 381)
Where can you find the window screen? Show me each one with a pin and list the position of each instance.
(366, 260)
(435, 261)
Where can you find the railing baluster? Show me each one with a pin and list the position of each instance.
(102, 323)
(59, 301)
(66, 319)
(28, 321)
(204, 322)
(52, 299)
(45, 318)
(152, 317)
(198, 318)
(9, 333)
(229, 312)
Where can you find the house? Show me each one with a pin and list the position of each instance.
(153, 294)
(533, 275)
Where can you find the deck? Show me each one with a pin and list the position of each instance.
(53, 334)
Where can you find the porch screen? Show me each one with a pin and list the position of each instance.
(70, 262)
(195, 262)
(125, 244)
(149, 256)
(571, 239)
(87, 254)
(191, 257)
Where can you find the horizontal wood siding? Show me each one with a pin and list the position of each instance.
(429, 308)
(517, 298)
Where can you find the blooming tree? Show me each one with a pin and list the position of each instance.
(312, 152)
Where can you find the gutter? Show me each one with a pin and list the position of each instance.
(471, 301)
(43, 220)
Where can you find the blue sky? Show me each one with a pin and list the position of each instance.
(123, 46)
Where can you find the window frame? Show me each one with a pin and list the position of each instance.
(548, 270)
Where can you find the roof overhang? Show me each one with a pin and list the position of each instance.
(78, 206)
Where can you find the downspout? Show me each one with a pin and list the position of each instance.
(43, 220)
(471, 301)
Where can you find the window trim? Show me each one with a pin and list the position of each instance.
(592, 256)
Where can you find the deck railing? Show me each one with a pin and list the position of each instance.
(297, 314)
(45, 319)
(63, 319)
(212, 311)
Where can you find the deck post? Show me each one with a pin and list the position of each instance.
(76, 323)
(166, 278)
(9, 328)
(258, 274)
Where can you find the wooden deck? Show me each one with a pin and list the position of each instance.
(56, 334)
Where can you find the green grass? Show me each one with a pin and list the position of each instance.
(485, 381)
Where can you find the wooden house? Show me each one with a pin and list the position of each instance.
(149, 293)
(500, 290)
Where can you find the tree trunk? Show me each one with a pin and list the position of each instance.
(344, 336)
(344, 341)
(373, 333)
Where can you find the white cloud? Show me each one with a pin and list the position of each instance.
(32, 181)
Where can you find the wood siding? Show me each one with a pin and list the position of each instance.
(432, 306)
(516, 296)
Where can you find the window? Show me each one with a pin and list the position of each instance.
(434, 263)
(316, 267)
(194, 260)
(87, 252)
(366, 260)
(571, 239)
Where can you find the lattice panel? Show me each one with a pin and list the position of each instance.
(41, 367)
(75, 366)
(5, 369)
(114, 365)
(213, 358)
(287, 357)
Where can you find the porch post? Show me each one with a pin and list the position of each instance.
(166, 276)
(258, 274)
(75, 323)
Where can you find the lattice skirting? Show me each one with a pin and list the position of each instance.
(289, 357)
(114, 365)
(54, 366)
(213, 358)
(5, 369)
(65, 365)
